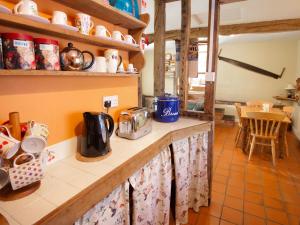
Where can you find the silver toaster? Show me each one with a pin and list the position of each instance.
(134, 123)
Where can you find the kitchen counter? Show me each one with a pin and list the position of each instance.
(71, 187)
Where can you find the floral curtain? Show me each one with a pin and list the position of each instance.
(152, 191)
(190, 159)
(112, 210)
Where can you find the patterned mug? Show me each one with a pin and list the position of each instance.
(8, 145)
(84, 23)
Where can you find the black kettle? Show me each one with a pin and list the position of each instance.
(97, 129)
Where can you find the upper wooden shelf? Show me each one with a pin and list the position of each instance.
(21, 22)
(41, 73)
(104, 12)
(285, 98)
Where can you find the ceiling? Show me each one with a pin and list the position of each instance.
(240, 12)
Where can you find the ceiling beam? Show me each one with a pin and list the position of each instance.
(230, 1)
(243, 28)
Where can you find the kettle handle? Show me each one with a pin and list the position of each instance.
(92, 62)
(111, 124)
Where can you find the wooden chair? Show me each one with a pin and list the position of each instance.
(258, 103)
(288, 110)
(264, 126)
(240, 125)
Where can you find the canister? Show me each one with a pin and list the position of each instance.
(46, 54)
(18, 51)
(167, 108)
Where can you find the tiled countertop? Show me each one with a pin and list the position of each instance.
(67, 178)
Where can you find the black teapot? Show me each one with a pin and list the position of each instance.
(72, 59)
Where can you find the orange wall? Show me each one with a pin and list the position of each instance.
(60, 101)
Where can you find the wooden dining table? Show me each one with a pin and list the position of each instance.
(245, 130)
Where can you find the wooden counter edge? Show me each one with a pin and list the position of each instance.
(74, 208)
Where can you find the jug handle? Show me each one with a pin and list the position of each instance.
(92, 62)
(120, 60)
(111, 124)
(16, 8)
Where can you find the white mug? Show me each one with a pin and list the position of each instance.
(26, 7)
(8, 145)
(131, 69)
(84, 23)
(117, 35)
(101, 66)
(59, 17)
(266, 107)
(113, 60)
(101, 31)
(23, 158)
(35, 139)
(129, 39)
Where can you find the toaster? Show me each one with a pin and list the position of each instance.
(134, 123)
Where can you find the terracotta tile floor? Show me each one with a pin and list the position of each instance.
(251, 193)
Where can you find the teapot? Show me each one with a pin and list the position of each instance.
(72, 59)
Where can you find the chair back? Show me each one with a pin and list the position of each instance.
(264, 124)
(259, 103)
(288, 110)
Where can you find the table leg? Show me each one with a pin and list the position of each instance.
(281, 139)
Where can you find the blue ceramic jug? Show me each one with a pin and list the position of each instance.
(129, 6)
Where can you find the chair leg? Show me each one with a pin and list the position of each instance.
(237, 137)
(248, 142)
(273, 151)
(251, 148)
(286, 147)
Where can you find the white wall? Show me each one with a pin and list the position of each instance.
(147, 73)
(238, 84)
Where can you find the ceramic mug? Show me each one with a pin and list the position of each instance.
(26, 7)
(129, 39)
(117, 35)
(101, 64)
(35, 139)
(59, 17)
(8, 144)
(131, 69)
(266, 107)
(23, 158)
(113, 60)
(101, 31)
(84, 23)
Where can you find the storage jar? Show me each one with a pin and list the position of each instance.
(1, 54)
(18, 51)
(167, 108)
(46, 54)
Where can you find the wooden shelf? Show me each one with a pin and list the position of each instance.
(23, 23)
(285, 99)
(104, 12)
(41, 73)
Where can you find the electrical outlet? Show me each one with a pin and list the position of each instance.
(114, 100)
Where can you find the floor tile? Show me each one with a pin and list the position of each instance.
(219, 187)
(253, 197)
(220, 178)
(254, 188)
(254, 209)
(294, 220)
(232, 215)
(277, 216)
(205, 219)
(214, 209)
(273, 203)
(235, 192)
(293, 209)
(253, 220)
(217, 197)
(224, 222)
(235, 203)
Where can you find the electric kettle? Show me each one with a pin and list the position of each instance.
(97, 129)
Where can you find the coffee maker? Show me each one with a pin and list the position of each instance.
(97, 129)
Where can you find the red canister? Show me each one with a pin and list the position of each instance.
(46, 54)
(18, 51)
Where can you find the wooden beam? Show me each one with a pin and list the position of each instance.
(184, 49)
(243, 28)
(166, 1)
(210, 78)
(159, 50)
